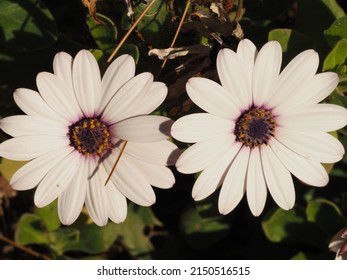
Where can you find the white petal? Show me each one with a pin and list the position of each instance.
(321, 146)
(62, 67)
(213, 176)
(246, 53)
(71, 201)
(31, 146)
(297, 73)
(313, 92)
(255, 185)
(200, 127)
(308, 171)
(30, 175)
(203, 154)
(278, 179)
(129, 100)
(143, 129)
(234, 79)
(318, 118)
(87, 83)
(29, 125)
(117, 74)
(57, 179)
(266, 71)
(212, 98)
(161, 153)
(233, 187)
(57, 95)
(97, 202)
(130, 180)
(157, 175)
(117, 204)
(31, 103)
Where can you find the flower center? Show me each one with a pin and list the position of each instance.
(255, 127)
(89, 136)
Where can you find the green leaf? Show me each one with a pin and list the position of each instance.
(104, 34)
(90, 238)
(325, 214)
(292, 42)
(337, 31)
(30, 230)
(26, 25)
(201, 227)
(130, 49)
(49, 216)
(284, 225)
(315, 16)
(153, 26)
(9, 167)
(137, 230)
(337, 57)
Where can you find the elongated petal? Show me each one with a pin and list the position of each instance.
(318, 118)
(30, 125)
(157, 175)
(57, 179)
(62, 67)
(121, 70)
(212, 98)
(117, 204)
(97, 202)
(31, 103)
(57, 95)
(143, 129)
(130, 180)
(31, 146)
(246, 53)
(202, 154)
(308, 171)
(234, 79)
(87, 82)
(31, 174)
(161, 153)
(278, 179)
(213, 176)
(255, 183)
(321, 146)
(71, 201)
(200, 127)
(317, 89)
(233, 187)
(129, 100)
(297, 73)
(266, 71)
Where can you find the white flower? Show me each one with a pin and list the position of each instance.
(338, 244)
(261, 125)
(75, 130)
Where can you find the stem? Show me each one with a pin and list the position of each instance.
(115, 164)
(177, 32)
(23, 248)
(129, 31)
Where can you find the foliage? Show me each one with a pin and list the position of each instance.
(32, 31)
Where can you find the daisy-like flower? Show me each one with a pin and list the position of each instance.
(261, 126)
(78, 126)
(338, 244)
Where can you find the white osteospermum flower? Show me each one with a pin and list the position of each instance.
(261, 125)
(74, 131)
(338, 244)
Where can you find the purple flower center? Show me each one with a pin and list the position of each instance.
(255, 127)
(89, 136)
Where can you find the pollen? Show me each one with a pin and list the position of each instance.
(90, 136)
(255, 127)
